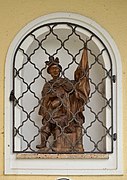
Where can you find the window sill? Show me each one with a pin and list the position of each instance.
(62, 156)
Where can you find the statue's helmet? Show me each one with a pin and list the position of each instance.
(53, 61)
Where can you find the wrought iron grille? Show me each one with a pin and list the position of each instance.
(66, 41)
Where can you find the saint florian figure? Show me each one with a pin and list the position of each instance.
(62, 107)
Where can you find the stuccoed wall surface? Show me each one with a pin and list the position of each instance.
(110, 14)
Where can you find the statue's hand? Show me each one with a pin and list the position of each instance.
(55, 103)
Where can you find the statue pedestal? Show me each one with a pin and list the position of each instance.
(69, 142)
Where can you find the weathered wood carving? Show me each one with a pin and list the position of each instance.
(62, 107)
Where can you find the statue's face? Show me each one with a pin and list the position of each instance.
(54, 71)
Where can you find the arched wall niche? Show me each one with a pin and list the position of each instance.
(53, 31)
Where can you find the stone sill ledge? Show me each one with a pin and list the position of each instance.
(62, 156)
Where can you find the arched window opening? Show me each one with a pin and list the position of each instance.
(65, 41)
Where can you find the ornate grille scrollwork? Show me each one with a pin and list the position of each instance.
(65, 41)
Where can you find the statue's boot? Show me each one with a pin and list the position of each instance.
(44, 138)
(40, 146)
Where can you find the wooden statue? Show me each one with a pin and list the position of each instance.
(62, 107)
